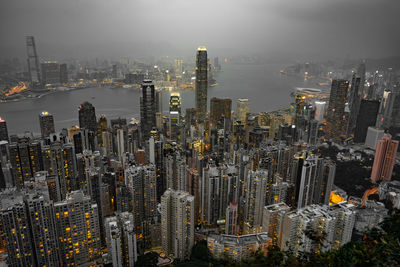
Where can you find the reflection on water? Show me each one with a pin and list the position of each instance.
(265, 88)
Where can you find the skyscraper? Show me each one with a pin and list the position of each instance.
(3, 130)
(33, 62)
(385, 157)
(220, 107)
(63, 73)
(366, 117)
(46, 121)
(201, 82)
(242, 108)
(78, 229)
(255, 200)
(87, 117)
(272, 220)
(177, 223)
(336, 114)
(231, 221)
(174, 115)
(147, 108)
(319, 110)
(354, 104)
(50, 73)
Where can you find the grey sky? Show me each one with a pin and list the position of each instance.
(115, 28)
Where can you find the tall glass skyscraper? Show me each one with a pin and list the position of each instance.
(201, 82)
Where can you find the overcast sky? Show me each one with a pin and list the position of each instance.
(116, 28)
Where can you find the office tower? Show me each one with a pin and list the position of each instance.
(231, 221)
(43, 229)
(50, 73)
(79, 243)
(46, 124)
(336, 115)
(319, 110)
(242, 108)
(87, 117)
(178, 67)
(361, 73)
(113, 237)
(373, 135)
(353, 104)
(255, 200)
(201, 82)
(17, 236)
(220, 108)
(174, 115)
(114, 72)
(272, 220)
(392, 117)
(63, 73)
(3, 130)
(217, 66)
(33, 62)
(177, 223)
(141, 180)
(366, 117)
(385, 157)
(147, 109)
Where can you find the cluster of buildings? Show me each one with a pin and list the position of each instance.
(107, 191)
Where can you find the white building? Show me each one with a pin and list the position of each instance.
(177, 223)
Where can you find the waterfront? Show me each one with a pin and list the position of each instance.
(263, 85)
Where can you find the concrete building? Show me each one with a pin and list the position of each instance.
(177, 223)
(238, 247)
(373, 136)
(385, 156)
(201, 82)
(272, 220)
(242, 108)
(78, 229)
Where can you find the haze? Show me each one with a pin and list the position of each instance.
(315, 29)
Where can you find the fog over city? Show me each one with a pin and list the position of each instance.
(316, 29)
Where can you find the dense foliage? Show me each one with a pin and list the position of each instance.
(379, 247)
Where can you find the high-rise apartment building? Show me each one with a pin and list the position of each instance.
(231, 221)
(255, 200)
(201, 82)
(141, 180)
(272, 220)
(177, 223)
(385, 157)
(78, 229)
